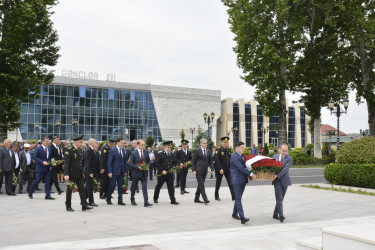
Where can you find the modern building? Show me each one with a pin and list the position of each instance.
(104, 109)
(244, 121)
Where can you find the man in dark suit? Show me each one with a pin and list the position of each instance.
(222, 165)
(281, 181)
(202, 160)
(117, 169)
(89, 170)
(137, 156)
(73, 172)
(239, 176)
(183, 156)
(7, 163)
(42, 156)
(16, 151)
(26, 170)
(165, 162)
(104, 179)
(57, 155)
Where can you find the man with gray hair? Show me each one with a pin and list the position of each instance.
(7, 163)
(202, 160)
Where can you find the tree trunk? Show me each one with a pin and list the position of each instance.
(371, 115)
(317, 145)
(283, 135)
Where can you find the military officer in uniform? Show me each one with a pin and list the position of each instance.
(183, 156)
(164, 162)
(73, 172)
(104, 179)
(222, 164)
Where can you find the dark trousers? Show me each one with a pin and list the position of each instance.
(16, 172)
(54, 179)
(219, 178)
(201, 178)
(280, 192)
(151, 170)
(119, 179)
(161, 179)
(155, 168)
(104, 184)
(134, 186)
(81, 191)
(27, 174)
(183, 173)
(8, 180)
(238, 191)
(177, 180)
(90, 189)
(46, 176)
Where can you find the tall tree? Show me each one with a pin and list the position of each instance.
(266, 35)
(319, 72)
(27, 48)
(359, 30)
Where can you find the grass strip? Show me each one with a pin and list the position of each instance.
(348, 190)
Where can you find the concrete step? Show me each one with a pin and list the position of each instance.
(312, 243)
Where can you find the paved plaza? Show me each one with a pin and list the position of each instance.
(44, 224)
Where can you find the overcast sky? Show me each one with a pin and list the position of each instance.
(185, 43)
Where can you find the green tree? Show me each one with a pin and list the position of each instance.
(182, 134)
(266, 35)
(27, 48)
(150, 141)
(200, 135)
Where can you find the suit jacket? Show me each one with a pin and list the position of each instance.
(222, 159)
(135, 158)
(200, 163)
(283, 175)
(55, 153)
(23, 160)
(90, 162)
(182, 157)
(39, 157)
(116, 163)
(239, 173)
(165, 161)
(6, 162)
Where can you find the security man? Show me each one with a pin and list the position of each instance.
(222, 164)
(183, 156)
(104, 179)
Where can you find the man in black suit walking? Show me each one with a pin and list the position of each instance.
(89, 170)
(7, 164)
(57, 155)
(183, 156)
(202, 160)
(26, 168)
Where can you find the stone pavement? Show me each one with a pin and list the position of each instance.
(188, 225)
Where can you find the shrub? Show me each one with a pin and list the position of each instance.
(356, 175)
(149, 141)
(272, 154)
(361, 151)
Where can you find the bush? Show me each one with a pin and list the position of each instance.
(361, 151)
(272, 154)
(356, 175)
(149, 141)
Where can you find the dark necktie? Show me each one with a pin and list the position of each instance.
(121, 153)
(204, 152)
(45, 149)
(141, 155)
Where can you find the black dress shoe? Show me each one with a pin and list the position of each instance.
(233, 198)
(49, 198)
(148, 204)
(174, 202)
(60, 192)
(276, 217)
(217, 198)
(93, 204)
(121, 203)
(177, 186)
(38, 189)
(156, 201)
(109, 202)
(103, 197)
(137, 191)
(69, 209)
(182, 192)
(235, 216)
(186, 192)
(198, 201)
(20, 192)
(30, 196)
(12, 194)
(134, 203)
(282, 218)
(86, 207)
(244, 220)
(206, 202)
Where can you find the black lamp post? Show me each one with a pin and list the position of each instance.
(74, 124)
(209, 120)
(58, 124)
(331, 105)
(192, 130)
(264, 130)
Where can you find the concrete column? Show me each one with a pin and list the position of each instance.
(254, 123)
(297, 127)
(266, 123)
(242, 125)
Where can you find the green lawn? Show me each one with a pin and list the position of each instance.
(308, 166)
(349, 190)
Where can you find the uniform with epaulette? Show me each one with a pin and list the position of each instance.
(164, 162)
(104, 179)
(183, 156)
(222, 164)
(73, 169)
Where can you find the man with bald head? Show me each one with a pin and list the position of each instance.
(7, 164)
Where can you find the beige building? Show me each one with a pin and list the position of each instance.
(243, 121)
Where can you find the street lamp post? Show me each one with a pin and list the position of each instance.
(58, 124)
(264, 130)
(74, 124)
(192, 130)
(37, 126)
(209, 120)
(331, 105)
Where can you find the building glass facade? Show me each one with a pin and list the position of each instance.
(303, 127)
(248, 124)
(274, 130)
(259, 125)
(291, 126)
(236, 121)
(101, 113)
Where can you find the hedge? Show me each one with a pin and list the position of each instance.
(361, 151)
(355, 175)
